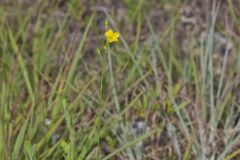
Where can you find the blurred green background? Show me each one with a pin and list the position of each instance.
(168, 90)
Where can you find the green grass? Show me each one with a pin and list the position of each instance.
(64, 96)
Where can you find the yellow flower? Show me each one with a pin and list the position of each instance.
(111, 36)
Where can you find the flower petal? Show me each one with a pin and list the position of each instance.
(116, 35)
(108, 33)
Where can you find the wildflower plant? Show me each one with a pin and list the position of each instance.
(111, 37)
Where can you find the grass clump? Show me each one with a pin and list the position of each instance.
(163, 85)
